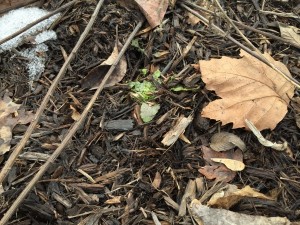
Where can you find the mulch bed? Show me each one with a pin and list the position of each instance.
(124, 163)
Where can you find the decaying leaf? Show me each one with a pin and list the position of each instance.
(231, 164)
(148, 111)
(218, 171)
(172, 135)
(5, 138)
(290, 33)
(10, 116)
(153, 10)
(96, 75)
(231, 195)
(249, 90)
(210, 216)
(224, 141)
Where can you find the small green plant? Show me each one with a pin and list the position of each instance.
(143, 91)
(135, 43)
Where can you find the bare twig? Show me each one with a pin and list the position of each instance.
(9, 163)
(222, 33)
(74, 128)
(37, 21)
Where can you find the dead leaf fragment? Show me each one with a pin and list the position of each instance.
(224, 141)
(10, 116)
(172, 135)
(231, 164)
(153, 10)
(231, 195)
(211, 216)
(218, 171)
(248, 88)
(5, 138)
(290, 33)
(96, 75)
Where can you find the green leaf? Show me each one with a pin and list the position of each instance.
(135, 43)
(156, 74)
(148, 111)
(143, 91)
(144, 71)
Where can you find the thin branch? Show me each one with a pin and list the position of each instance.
(37, 21)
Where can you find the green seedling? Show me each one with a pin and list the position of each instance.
(135, 43)
(143, 91)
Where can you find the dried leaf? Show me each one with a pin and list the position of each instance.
(231, 164)
(211, 216)
(10, 116)
(5, 138)
(290, 33)
(249, 90)
(153, 10)
(214, 170)
(224, 141)
(172, 135)
(96, 75)
(231, 195)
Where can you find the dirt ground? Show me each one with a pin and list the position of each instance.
(126, 161)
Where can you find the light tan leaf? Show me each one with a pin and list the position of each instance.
(249, 90)
(231, 164)
(5, 138)
(231, 195)
(96, 75)
(153, 10)
(7, 107)
(10, 116)
(224, 141)
(290, 33)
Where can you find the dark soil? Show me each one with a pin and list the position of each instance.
(124, 163)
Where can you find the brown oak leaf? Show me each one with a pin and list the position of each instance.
(248, 88)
